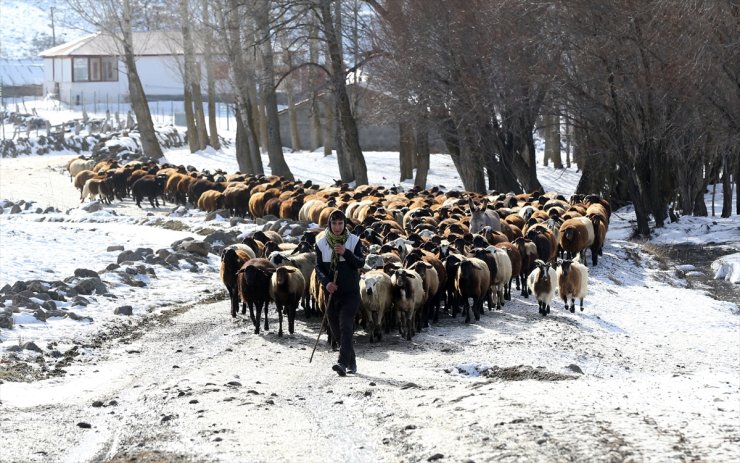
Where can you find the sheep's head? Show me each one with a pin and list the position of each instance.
(565, 265)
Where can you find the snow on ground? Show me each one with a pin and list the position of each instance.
(651, 364)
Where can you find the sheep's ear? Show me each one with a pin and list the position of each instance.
(427, 265)
(290, 270)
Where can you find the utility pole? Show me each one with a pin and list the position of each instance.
(53, 34)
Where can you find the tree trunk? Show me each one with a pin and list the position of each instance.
(192, 79)
(343, 162)
(139, 104)
(243, 157)
(555, 155)
(349, 126)
(406, 150)
(200, 116)
(274, 145)
(192, 133)
(295, 137)
(422, 152)
(328, 126)
(314, 114)
(212, 121)
(726, 185)
(568, 142)
(243, 83)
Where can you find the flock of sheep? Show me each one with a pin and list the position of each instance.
(428, 251)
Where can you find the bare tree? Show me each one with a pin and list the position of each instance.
(267, 89)
(115, 19)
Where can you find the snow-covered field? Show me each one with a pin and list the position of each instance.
(647, 372)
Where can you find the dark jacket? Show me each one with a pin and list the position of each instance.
(348, 275)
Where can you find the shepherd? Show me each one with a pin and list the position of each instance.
(339, 258)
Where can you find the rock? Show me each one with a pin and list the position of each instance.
(112, 267)
(124, 310)
(79, 300)
(435, 457)
(16, 209)
(93, 206)
(50, 209)
(224, 214)
(56, 296)
(224, 238)
(18, 286)
(22, 301)
(97, 404)
(127, 256)
(37, 286)
(30, 345)
(143, 252)
(90, 285)
(77, 318)
(115, 248)
(84, 425)
(197, 247)
(575, 368)
(49, 305)
(6, 320)
(39, 314)
(85, 273)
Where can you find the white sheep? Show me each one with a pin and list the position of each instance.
(376, 299)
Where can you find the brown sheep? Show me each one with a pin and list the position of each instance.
(287, 286)
(473, 280)
(528, 253)
(211, 200)
(231, 261)
(253, 281)
(576, 235)
(599, 238)
(572, 282)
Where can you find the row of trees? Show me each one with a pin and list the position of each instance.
(648, 90)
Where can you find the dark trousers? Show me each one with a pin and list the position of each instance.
(342, 324)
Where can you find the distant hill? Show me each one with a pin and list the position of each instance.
(25, 27)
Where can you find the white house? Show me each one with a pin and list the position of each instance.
(91, 68)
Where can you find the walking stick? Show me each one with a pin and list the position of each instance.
(323, 320)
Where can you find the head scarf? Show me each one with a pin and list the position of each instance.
(333, 240)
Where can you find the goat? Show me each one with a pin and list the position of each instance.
(542, 283)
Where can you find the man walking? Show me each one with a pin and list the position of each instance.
(339, 256)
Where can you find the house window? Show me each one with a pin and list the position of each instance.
(79, 70)
(109, 69)
(95, 69)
